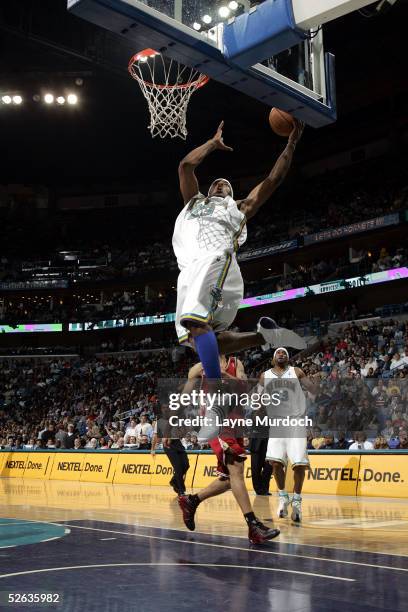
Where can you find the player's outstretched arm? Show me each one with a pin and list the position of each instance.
(262, 192)
(188, 180)
(194, 373)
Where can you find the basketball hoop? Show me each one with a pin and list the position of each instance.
(167, 86)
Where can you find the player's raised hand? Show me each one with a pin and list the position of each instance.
(297, 131)
(219, 140)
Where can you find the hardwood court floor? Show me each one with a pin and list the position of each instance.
(376, 525)
(349, 553)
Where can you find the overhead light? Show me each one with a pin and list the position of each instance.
(60, 100)
(233, 5)
(223, 12)
(48, 98)
(17, 99)
(207, 19)
(6, 99)
(72, 98)
(197, 26)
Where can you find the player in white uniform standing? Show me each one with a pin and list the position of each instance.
(289, 382)
(207, 234)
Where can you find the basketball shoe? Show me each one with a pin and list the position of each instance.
(188, 508)
(275, 336)
(284, 502)
(258, 533)
(297, 510)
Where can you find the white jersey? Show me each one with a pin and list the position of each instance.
(208, 226)
(291, 395)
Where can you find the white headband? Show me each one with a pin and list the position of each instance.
(226, 181)
(281, 348)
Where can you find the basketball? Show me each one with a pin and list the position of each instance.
(280, 122)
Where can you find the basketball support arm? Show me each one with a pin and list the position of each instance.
(275, 25)
(233, 53)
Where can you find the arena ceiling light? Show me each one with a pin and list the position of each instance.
(6, 99)
(197, 26)
(207, 19)
(48, 98)
(233, 5)
(17, 99)
(72, 99)
(61, 100)
(224, 12)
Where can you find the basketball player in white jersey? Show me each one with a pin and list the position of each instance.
(231, 455)
(289, 382)
(207, 234)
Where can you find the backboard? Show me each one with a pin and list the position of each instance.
(254, 47)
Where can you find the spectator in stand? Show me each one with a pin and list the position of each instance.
(403, 440)
(105, 443)
(144, 428)
(144, 443)
(361, 442)
(388, 430)
(380, 442)
(70, 438)
(92, 444)
(131, 431)
(92, 429)
(186, 440)
(61, 435)
(30, 444)
(49, 433)
(131, 443)
(78, 443)
(329, 442)
(393, 443)
(342, 443)
(194, 445)
(398, 361)
(398, 419)
(318, 439)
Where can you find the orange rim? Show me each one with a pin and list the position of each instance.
(197, 83)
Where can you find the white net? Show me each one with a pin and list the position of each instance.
(167, 87)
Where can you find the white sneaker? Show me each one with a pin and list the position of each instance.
(296, 510)
(275, 336)
(283, 505)
(211, 428)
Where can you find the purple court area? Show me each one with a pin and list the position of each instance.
(109, 566)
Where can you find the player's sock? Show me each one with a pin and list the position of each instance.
(250, 517)
(283, 492)
(297, 497)
(207, 349)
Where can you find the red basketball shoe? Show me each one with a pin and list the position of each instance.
(188, 509)
(258, 533)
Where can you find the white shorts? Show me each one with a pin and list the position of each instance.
(209, 291)
(282, 449)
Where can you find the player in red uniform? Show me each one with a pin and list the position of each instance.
(231, 456)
